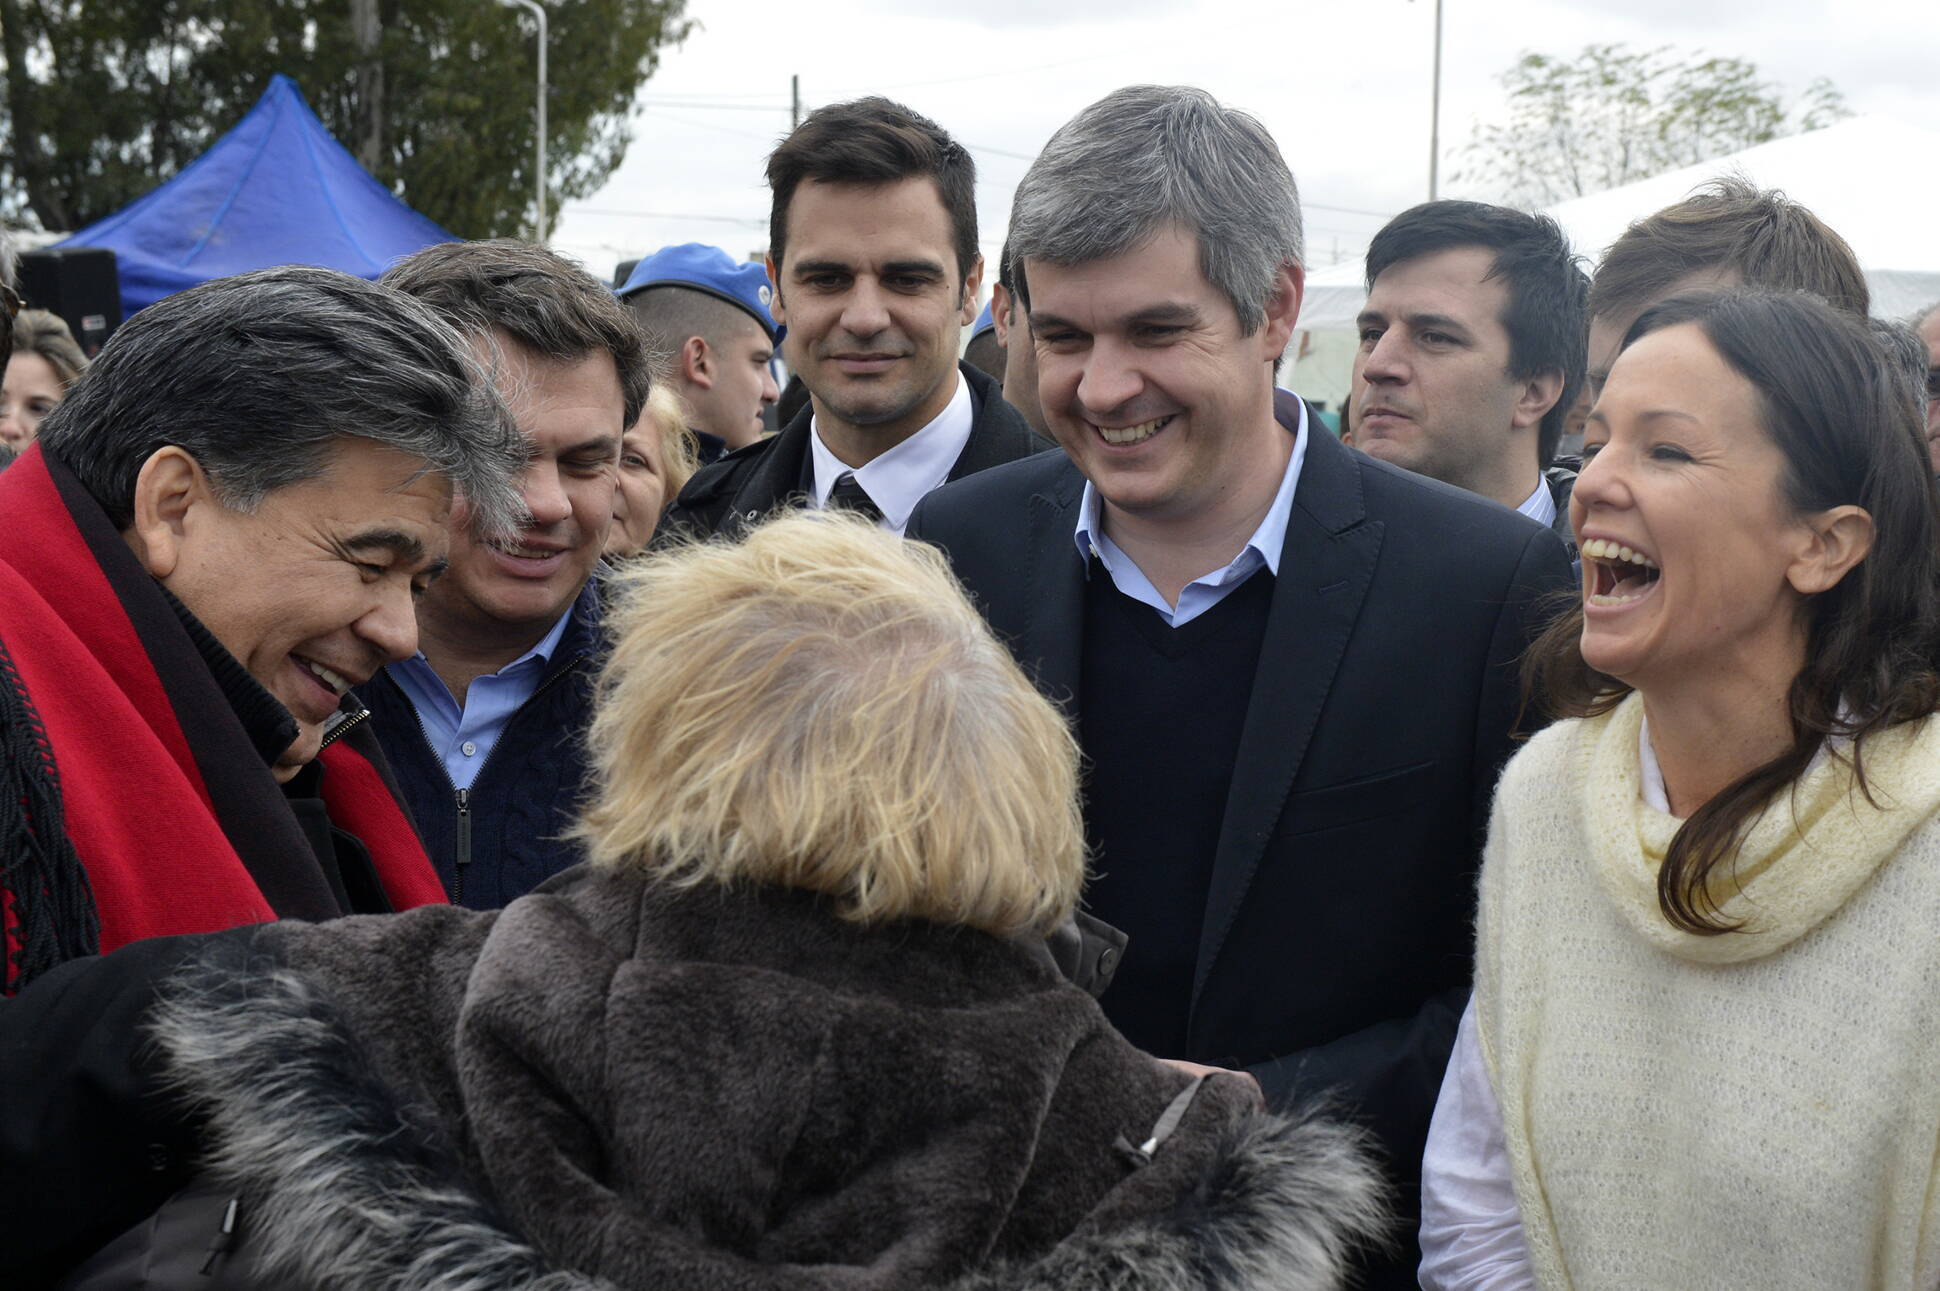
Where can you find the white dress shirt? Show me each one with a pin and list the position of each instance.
(1262, 550)
(896, 480)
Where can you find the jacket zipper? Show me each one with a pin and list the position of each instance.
(342, 728)
(463, 845)
(464, 848)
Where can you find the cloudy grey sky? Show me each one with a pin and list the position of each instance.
(1343, 86)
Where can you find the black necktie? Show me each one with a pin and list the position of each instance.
(851, 496)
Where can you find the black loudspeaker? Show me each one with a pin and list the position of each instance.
(78, 283)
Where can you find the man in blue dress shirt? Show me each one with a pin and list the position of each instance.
(483, 726)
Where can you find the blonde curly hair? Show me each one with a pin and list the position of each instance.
(818, 706)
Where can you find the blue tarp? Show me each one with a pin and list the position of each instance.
(277, 189)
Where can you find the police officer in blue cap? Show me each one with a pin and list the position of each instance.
(708, 313)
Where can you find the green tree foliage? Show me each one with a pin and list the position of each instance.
(105, 99)
(1613, 114)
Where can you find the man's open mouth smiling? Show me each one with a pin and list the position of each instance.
(1138, 433)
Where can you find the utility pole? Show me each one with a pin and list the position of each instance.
(1435, 115)
(794, 101)
(538, 11)
(367, 30)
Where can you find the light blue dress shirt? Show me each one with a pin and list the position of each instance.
(1262, 550)
(463, 737)
(1540, 506)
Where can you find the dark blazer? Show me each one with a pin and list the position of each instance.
(766, 475)
(1560, 478)
(1336, 944)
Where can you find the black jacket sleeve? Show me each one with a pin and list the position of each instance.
(91, 1142)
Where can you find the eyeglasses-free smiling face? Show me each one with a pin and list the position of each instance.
(1694, 562)
(874, 299)
(315, 589)
(572, 415)
(1148, 383)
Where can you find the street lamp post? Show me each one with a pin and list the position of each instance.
(538, 12)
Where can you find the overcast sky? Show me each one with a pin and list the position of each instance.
(1345, 88)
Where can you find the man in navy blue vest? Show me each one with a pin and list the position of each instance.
(484, 726)
(1293, 668)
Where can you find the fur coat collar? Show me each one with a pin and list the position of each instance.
(613, 1084)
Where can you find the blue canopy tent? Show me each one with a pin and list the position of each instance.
(277, 189)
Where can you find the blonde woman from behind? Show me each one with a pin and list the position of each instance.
(792, 1025)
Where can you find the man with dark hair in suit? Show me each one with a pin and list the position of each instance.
(1293, 668)
(872, 247)
(1472, 351)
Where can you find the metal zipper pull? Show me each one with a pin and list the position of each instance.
(464, 849)
(225, 1237)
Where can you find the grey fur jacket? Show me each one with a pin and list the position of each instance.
(613, 1084)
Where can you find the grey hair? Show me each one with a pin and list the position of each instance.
(1920, 319)
(1151, 155)
(260, 375)
(1906, 357)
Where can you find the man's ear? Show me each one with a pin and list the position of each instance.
(972, 284)
(775, 306)
(169, 487)
(1283, 309)
(1836, 540)
(1000, 307)
(697, 363)
(1536, 397)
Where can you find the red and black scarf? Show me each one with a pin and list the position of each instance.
(165, 805)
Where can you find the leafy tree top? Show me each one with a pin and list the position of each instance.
(105, 99)
(1612, 115)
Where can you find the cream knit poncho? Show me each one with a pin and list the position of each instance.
(1756, 1109)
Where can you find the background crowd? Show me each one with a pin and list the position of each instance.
(1001, 674)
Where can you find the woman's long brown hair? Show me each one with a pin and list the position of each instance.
(1850, 429)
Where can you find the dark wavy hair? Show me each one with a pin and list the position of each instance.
(875, 141)
(1832, 402)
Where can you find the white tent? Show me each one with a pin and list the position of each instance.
(1870, 178)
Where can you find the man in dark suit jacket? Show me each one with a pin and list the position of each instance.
(873, 255)
(1293, 668)
(751, 482)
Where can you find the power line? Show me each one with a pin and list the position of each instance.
(977, 76)
(669, 215)
(712, 107)
(711, 96)
(703, 125)
(1000, 152)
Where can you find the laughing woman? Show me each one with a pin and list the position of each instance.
(1704, 1049)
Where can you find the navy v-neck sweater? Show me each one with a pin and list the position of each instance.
(1160, 713)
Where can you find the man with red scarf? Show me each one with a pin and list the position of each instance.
(222, 530)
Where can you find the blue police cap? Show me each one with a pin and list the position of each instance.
(984, 323)
(700, 267)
